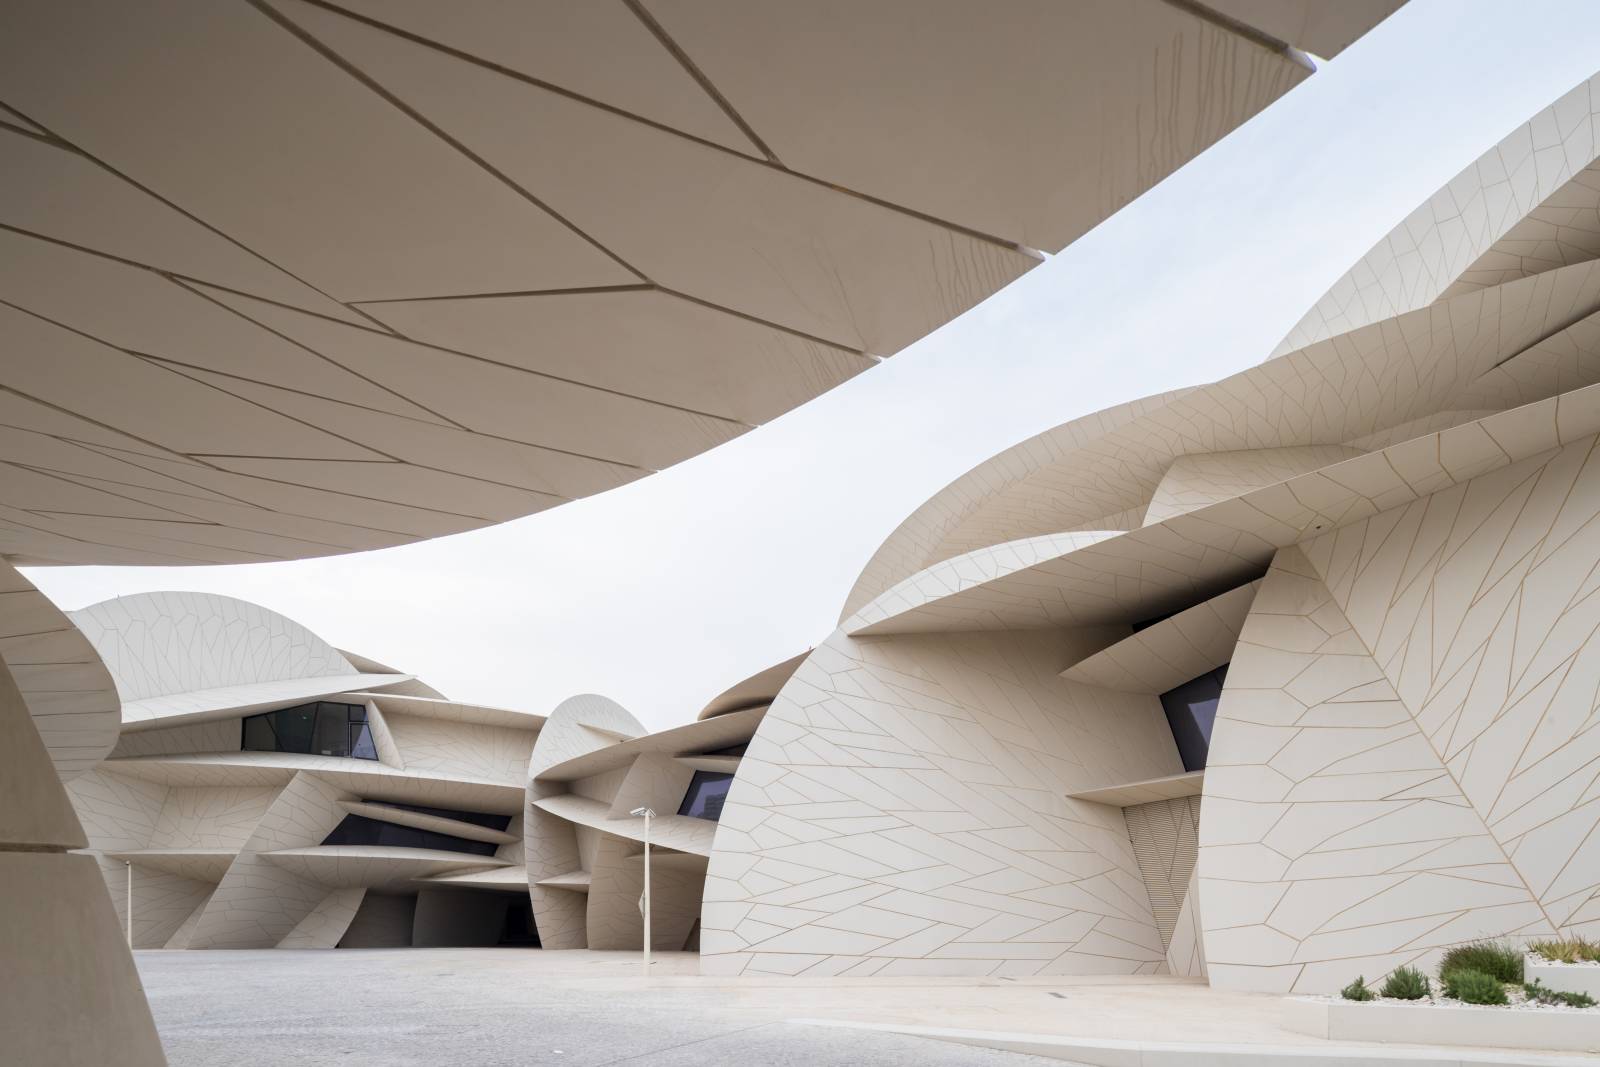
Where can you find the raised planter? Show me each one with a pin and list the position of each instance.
(1441, 1024)
(1570, 977)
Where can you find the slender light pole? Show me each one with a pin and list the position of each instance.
(130, 903)
(644, 901)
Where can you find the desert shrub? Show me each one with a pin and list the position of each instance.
(1473, 987)
(1405, 983)
(1562, 951)
(1356, 990)
(1497, 959)
(1545, 995)
(1567, 950)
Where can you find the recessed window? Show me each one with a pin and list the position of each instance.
(706, 793)
(1191, 711)
(360, 830)
(321, 728)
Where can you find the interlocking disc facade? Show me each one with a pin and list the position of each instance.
(281, 279)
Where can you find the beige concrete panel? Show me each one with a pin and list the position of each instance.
(368, 778)
(259, 902)
(1129, 91)
(1164, 836)
(1203, 478)
(33, 806)
(490, 753)
(180, 938)
(901, 811)
(512, 879)
(81, 1005)
(551, 851)
(1322, 27)
(231, 702)
(175, 642)
(117, 811)
(326, 923)
(771, 245)
(920, 540)
(1148, 791)
(210, 816)
(645, 343)
(281, 114)
(755, 691)
(1186, 955)
(416, 704)
(61, 194)
(69, 370)
(1476, 605)
(600, 51)
(1432, 249)
(204, 865)
(615, 921)
(1335, 840)
(580, 725)
(139, 311)
(730, 729)
(574, 439)
(165, 895)
(654, 781)
(667, 829)
(1563, 229)
(63, 685)
(382, 739)
(1168, 653)
(383, 920)
(217, 735)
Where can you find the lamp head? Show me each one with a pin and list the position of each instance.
(646, 812)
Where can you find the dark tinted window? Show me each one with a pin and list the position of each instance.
(706, 793)
(321, 728)
(1191, 711)
(360, 830)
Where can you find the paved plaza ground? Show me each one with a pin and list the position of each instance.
(501, 1007)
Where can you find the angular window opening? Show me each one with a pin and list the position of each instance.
(1191, 712)
(706, 794)
(321, 728)
(360, 830)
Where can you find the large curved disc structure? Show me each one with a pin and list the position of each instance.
(395, 269)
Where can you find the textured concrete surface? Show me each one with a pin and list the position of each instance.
(486, 1008)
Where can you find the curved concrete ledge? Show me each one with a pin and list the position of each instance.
(1121, 577)
(1172, 651)
(1169, 787)
(1106, 1052)
(199, 864)
(373, 866)
(1339, 1020)
(452, 711)
(729, 728)
(421, 821)
(666, 831)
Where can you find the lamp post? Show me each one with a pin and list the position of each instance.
(644, 901)
(130, 903)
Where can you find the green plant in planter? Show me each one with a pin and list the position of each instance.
(1473, 987)
(1537, 991)
(1357, 990)
(1405, 983)
(1562, 951)
(1567, 950)
(1498, 959)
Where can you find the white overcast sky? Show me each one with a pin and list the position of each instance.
(662, 593)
